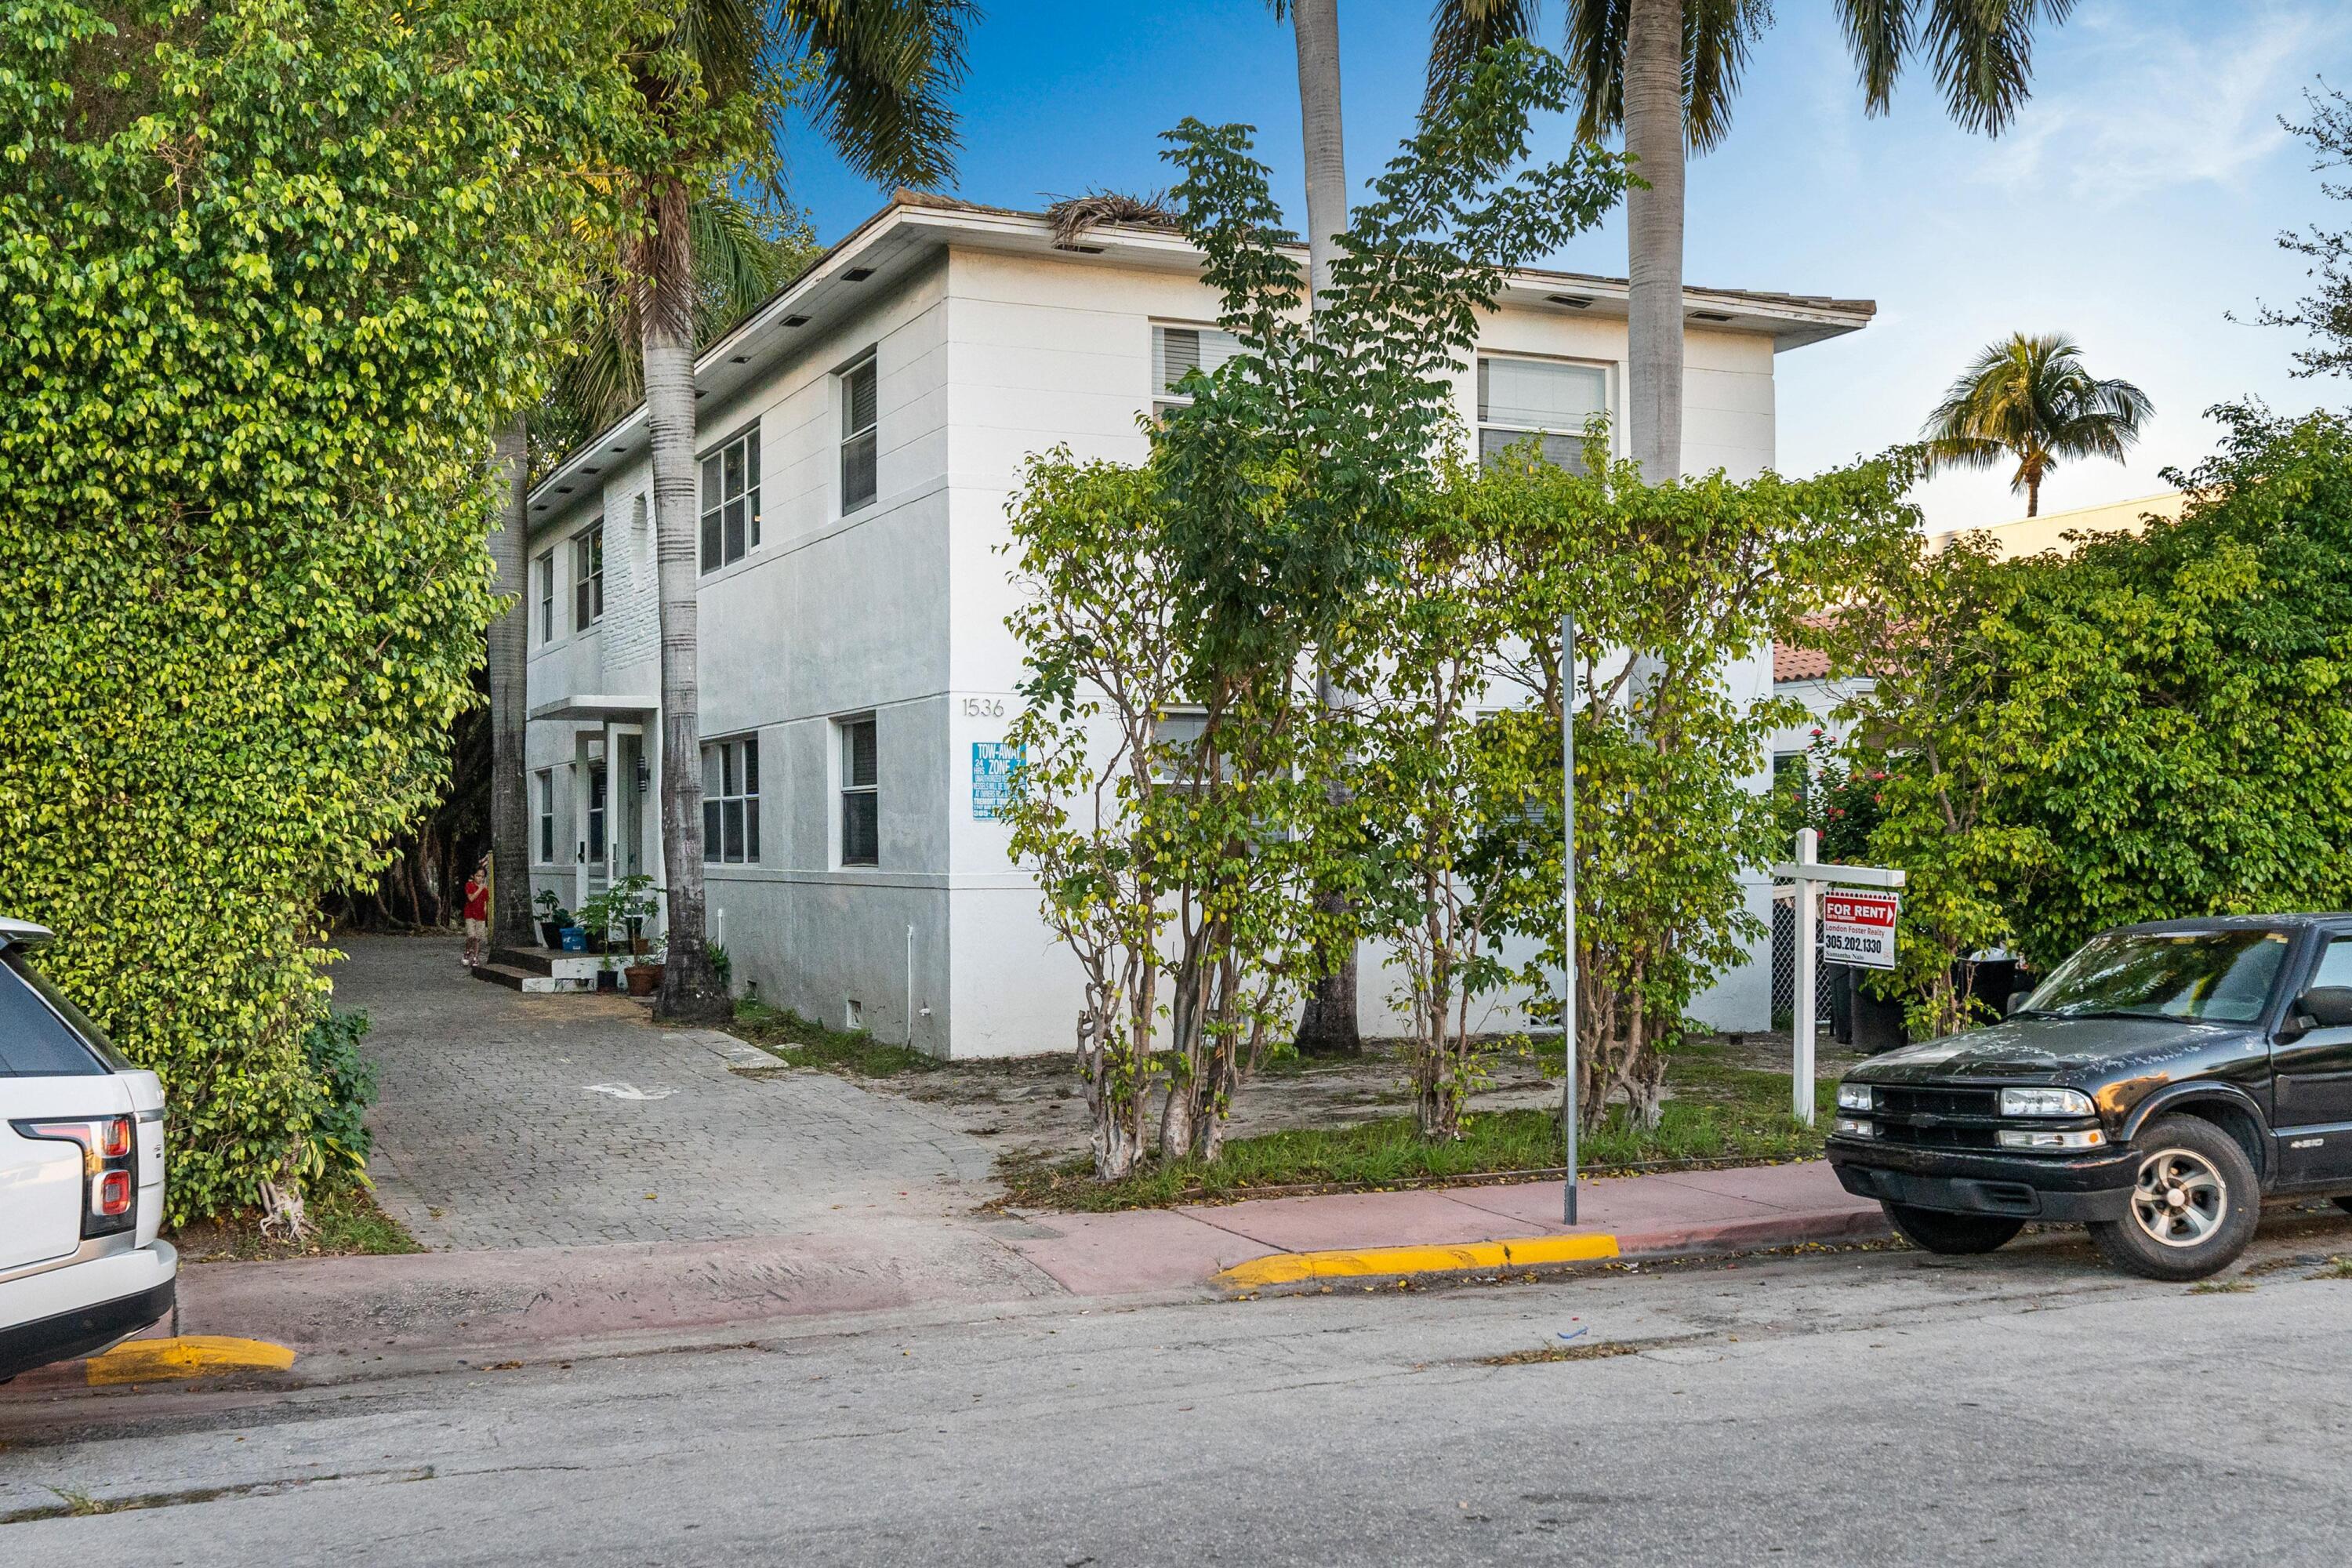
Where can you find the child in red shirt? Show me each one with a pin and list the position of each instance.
(478, 913)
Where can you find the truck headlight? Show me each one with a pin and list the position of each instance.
(2052, 1138)
(2044, 1102)
(1847, 1127)
(1854, 1097)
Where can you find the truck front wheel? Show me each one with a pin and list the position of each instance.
(1953, 1235)
(2194, 1203)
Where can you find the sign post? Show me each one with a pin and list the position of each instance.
(1858, 928)
(1568, 931)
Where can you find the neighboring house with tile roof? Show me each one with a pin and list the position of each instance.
(860, 435)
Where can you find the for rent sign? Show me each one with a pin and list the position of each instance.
(1858, 927)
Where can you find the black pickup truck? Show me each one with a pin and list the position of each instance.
(2161, 1083)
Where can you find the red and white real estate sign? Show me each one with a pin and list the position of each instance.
(1858, 927)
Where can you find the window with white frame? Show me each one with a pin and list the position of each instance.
(1176, 352)
(542, 789)
(731, 801)
(543, 573)
(861, 813)
(1176, 746)
(1522, 397)
(730, 500)
(596, 815)
(860, 416)
(588, 577)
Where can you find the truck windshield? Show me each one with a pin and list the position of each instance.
(2221, 975)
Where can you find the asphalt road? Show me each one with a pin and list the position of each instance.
(1849, 1408)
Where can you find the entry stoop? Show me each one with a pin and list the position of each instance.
(539, 972)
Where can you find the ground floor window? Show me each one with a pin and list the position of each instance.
(861, 820)
(731, 801)
(596, 815)
(542, 783)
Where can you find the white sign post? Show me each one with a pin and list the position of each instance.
(1856, 922)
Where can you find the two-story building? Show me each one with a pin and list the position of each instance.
(860, 435)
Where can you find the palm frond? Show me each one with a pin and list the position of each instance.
(2029, 397)
(882, 91)
(1717, 37)
(1073, 216)
(1879, 34)
(1461, 31)
(1983, 56)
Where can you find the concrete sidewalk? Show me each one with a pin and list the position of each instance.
(348, 1318)
(1269, 1242)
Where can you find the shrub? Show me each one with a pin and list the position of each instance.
(346, 1087)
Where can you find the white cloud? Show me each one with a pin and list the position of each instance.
(2131, 98)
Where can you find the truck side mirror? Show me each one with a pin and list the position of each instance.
(2328, 1006)
(2016, 999)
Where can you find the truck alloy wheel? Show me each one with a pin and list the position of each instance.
(2194, 1203)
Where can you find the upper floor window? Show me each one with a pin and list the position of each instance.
(860, 413)
(1177, 352)
(588, 577)
(861, 807)
(731, 801)
(1523, 397)
(730, 500)
(542, 572)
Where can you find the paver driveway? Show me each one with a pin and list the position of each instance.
(514, 1120)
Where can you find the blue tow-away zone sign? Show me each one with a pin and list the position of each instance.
(993, 765)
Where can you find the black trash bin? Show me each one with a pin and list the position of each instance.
(1877, 1024)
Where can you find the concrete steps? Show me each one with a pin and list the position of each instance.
(539, 972)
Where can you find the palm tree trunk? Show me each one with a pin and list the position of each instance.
(1654, 222)
(1315, 25)
(1327, 1025)
(510, 657)
(2033, 494)
(690, 992)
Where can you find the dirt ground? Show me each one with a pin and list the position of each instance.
(1035, 1105)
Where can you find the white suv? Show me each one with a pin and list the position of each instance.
(81, 1177)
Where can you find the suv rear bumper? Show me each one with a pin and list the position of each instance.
(84, 1306)
(2094, 1187)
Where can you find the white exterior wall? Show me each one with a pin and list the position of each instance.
(986, 357)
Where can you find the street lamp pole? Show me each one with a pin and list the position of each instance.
(1567, 896)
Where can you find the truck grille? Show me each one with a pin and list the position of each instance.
(1936, 1117)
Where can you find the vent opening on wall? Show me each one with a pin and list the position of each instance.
(853, 1016)
(797, 321)
(588, 468)
(620, 450)
(1573, 302)
(858, 274)
(746, 359)
(1081, 250)
(1710, 315)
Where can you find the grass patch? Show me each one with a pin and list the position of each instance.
(1602, 1350)
(2220, 1287)
(2336, 1268)
(1720, 1112)
(802, 1043)
(345, 1223)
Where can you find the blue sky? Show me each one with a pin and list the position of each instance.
(2133, 204)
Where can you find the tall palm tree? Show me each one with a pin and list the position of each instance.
(884, 70)
(1664, 72)
(2030, 399)
(1327, 1025)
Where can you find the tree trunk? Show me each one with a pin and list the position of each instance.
(2033, 495)
(690, 992)
(1316, 24)
(1327, 1027)
(1654, 224)
(510, 924)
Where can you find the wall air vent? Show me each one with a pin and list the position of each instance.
(746, 359)
(858, 274)
(1710, 315)
(1573, 302)
(797, 321)
(1081, 250)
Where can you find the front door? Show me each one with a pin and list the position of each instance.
(2312, 1114)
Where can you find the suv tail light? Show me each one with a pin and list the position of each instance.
(109, 1166)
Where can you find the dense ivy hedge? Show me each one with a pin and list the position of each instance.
(265, 286)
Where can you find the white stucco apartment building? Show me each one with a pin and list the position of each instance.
(860, 435)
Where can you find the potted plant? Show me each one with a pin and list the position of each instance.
(552, 917)
(645, 973)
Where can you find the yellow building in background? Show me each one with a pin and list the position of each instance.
(2032, 535)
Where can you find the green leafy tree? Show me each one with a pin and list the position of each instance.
(1666, 71)
(1669, 584)
(2326, 311)
(273, 271)
(2029, 399)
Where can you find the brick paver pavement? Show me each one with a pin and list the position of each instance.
(514, 1120)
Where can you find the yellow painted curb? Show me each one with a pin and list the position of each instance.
(191, 1355)
(1290, 1267)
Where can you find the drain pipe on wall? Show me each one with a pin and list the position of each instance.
(910, 989)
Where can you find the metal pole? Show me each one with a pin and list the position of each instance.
(1568, 905)
(1801, 1081)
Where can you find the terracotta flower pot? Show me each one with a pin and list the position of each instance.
(643, 978)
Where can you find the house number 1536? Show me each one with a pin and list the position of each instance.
(984, 707)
